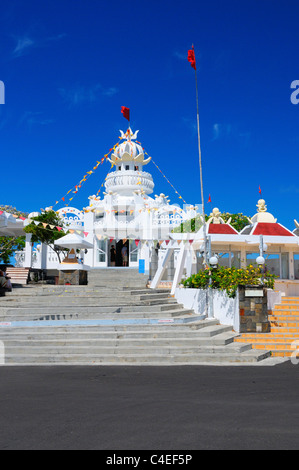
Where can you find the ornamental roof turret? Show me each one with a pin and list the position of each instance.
(129, 151)
(264, 223)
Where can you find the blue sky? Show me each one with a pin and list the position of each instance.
(69, 65)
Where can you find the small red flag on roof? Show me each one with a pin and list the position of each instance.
(191, 57)
(126, 112)
(210, 200)
(260, 191)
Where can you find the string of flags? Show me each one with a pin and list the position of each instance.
(14, 215)
(74, 190)
(46, 226)
(179, 196)
(139, 182)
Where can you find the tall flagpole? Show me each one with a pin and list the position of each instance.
(200, 163)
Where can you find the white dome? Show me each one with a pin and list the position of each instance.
(128, 150)
(129, 147)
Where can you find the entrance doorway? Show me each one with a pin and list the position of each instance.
(122, 253)
(120, 260)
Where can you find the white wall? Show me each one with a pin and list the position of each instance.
(224, 309)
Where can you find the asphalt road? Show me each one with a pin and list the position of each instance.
(149, 408)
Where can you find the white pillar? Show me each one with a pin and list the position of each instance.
(243, 257)
(179, 267)
(291, 265)
(162, 266)
(88, 228)
(28, 251)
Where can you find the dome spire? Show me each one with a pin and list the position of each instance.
(128, 135)
(129, 151)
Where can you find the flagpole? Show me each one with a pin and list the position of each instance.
(201, 178)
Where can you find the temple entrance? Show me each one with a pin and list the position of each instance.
(119, 253)
(122, 253)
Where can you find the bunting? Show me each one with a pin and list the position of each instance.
(74, 190)
(46, 226)
(176, 192)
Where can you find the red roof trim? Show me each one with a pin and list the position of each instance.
(271, 229)
(223, 229)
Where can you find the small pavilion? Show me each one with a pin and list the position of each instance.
(263, 236)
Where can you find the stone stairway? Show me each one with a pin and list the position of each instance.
(18, 276)
(115, 319)
(284, 330)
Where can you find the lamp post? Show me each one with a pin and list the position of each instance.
(213, 262)
(260, 259)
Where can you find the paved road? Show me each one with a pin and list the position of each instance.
(150, 408)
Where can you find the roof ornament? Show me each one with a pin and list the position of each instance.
(128, 151)
(261, 206)
(215, 217)
(262, 214)
(128, 135)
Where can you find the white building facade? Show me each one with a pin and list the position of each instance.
(128, 215)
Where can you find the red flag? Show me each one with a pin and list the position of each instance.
(126, 112)
(191, 58)
(260, 191)
(210, 200)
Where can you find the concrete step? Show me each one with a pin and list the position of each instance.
(181, 324)
(115, 319)
(96, 298)
(180, 332)
(104, 316)
(199, 358)
(163, 304)
(86, 308)
(18, 275)
(115, 339)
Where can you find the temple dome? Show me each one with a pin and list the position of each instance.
(129, 150)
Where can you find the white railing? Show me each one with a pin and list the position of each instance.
(19, 259)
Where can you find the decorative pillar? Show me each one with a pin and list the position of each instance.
(28, 251)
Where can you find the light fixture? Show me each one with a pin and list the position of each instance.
(260, 260)
(213, 261)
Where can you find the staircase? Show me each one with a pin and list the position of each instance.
(116, 320)
(19, 276)
(284, 330)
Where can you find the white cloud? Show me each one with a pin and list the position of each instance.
(221, 131)
(22, 46)
(80, 94)
(25, 43)
(35, 117)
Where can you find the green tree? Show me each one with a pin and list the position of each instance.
(46, 230)
(238, 221)
(8, 246)
(12, 210)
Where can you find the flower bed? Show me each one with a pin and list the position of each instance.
(229, 279)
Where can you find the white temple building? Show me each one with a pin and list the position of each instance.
(127, 215)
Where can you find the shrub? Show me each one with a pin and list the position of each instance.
(229, 279)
